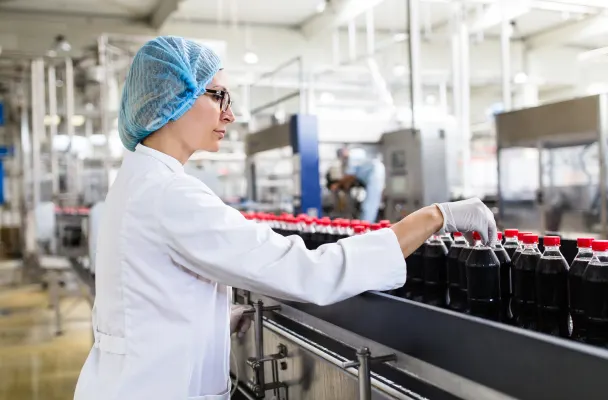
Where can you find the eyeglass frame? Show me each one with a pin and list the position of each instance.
(221, 95)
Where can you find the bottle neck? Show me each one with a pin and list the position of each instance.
(478, 243)
(511, 240)
(532, 246)
(584, 252)
(459, 241)
(600, 253)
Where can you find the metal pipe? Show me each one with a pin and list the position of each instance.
(38, 113)
(307, 346)
(414, 56)
(465, 100)
(275, 102)
(603, 136)
(505, 56)
(371, 39)
(336, 47)
(102, 43)
(259, 342)
(365, 384)
(69, 125)
(277, 69)
(52, 83)
(541, 188)
(352, 40)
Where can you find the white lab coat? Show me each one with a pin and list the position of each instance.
(168, 247)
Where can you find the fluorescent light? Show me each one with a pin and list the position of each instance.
(520, 78)
(430, 99)
(78, 120)
(399, 70)
(399, 37)
(250, 58)
(327, 97)
(321, 6)
(51, 120)
(588, 55)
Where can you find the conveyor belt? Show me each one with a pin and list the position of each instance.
(519, 363)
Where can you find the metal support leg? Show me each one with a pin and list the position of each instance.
(364, 359)
(258, 384)
(53, 276)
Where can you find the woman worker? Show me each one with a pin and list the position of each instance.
(169, 249)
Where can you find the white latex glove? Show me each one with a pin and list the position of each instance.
(238, 322)
(468, 216)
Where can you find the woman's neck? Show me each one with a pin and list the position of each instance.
(163, 142)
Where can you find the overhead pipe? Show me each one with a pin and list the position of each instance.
(505, 57)
(352, 41)
(414, 57)
(52, 84)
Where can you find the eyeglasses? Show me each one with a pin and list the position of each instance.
(223, 96)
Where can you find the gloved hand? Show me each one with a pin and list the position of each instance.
(468, 216)
(238, 322)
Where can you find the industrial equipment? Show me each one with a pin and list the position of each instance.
(295, 173)
(416, 169)
(552, 166)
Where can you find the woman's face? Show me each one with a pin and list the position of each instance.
(204, 125)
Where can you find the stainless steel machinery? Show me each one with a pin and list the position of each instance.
(557, 152)
(416, 169)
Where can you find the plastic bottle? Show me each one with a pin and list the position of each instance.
(462, 273)
(483, 276)
(435, 272)
(454, 295)
(595, 292)
(575, 287)
(447, 240)
(506, 287)
(308, 232)
(524, 288)
(511, 242)
(552, 290)
(520, 240)
(414, 284)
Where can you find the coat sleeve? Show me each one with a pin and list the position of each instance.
(215, 241)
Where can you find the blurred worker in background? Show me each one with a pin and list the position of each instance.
(169, 248)
(368, 172)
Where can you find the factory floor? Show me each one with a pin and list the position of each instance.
(34, 362)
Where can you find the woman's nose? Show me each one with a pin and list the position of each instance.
(228, 116)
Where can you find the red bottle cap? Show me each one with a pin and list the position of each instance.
(359, 229)
(521, 235)
(366, 224)
(476, 236)
(530, 238)
(345, 223)
(499, 236)
(385, 223)
(599, 245)
(355, 222)
(584, 242)
(552, 241)
(376, 227)
(457, 234)
(511, 233)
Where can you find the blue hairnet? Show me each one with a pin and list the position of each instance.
(168, 74)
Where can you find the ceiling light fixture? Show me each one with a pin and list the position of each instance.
(321, 6)
(520, 78)
(250, 57)
(399, 70)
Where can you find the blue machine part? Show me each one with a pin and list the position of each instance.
(303, 130)
(1, 114)
(5, 151)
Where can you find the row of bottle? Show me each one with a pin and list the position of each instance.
(316, 231)
(515, 283)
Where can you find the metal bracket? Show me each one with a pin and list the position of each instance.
(258, 385)
(364, 359)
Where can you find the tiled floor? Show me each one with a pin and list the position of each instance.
(34, 363)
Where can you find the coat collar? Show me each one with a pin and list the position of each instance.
(166, 159)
